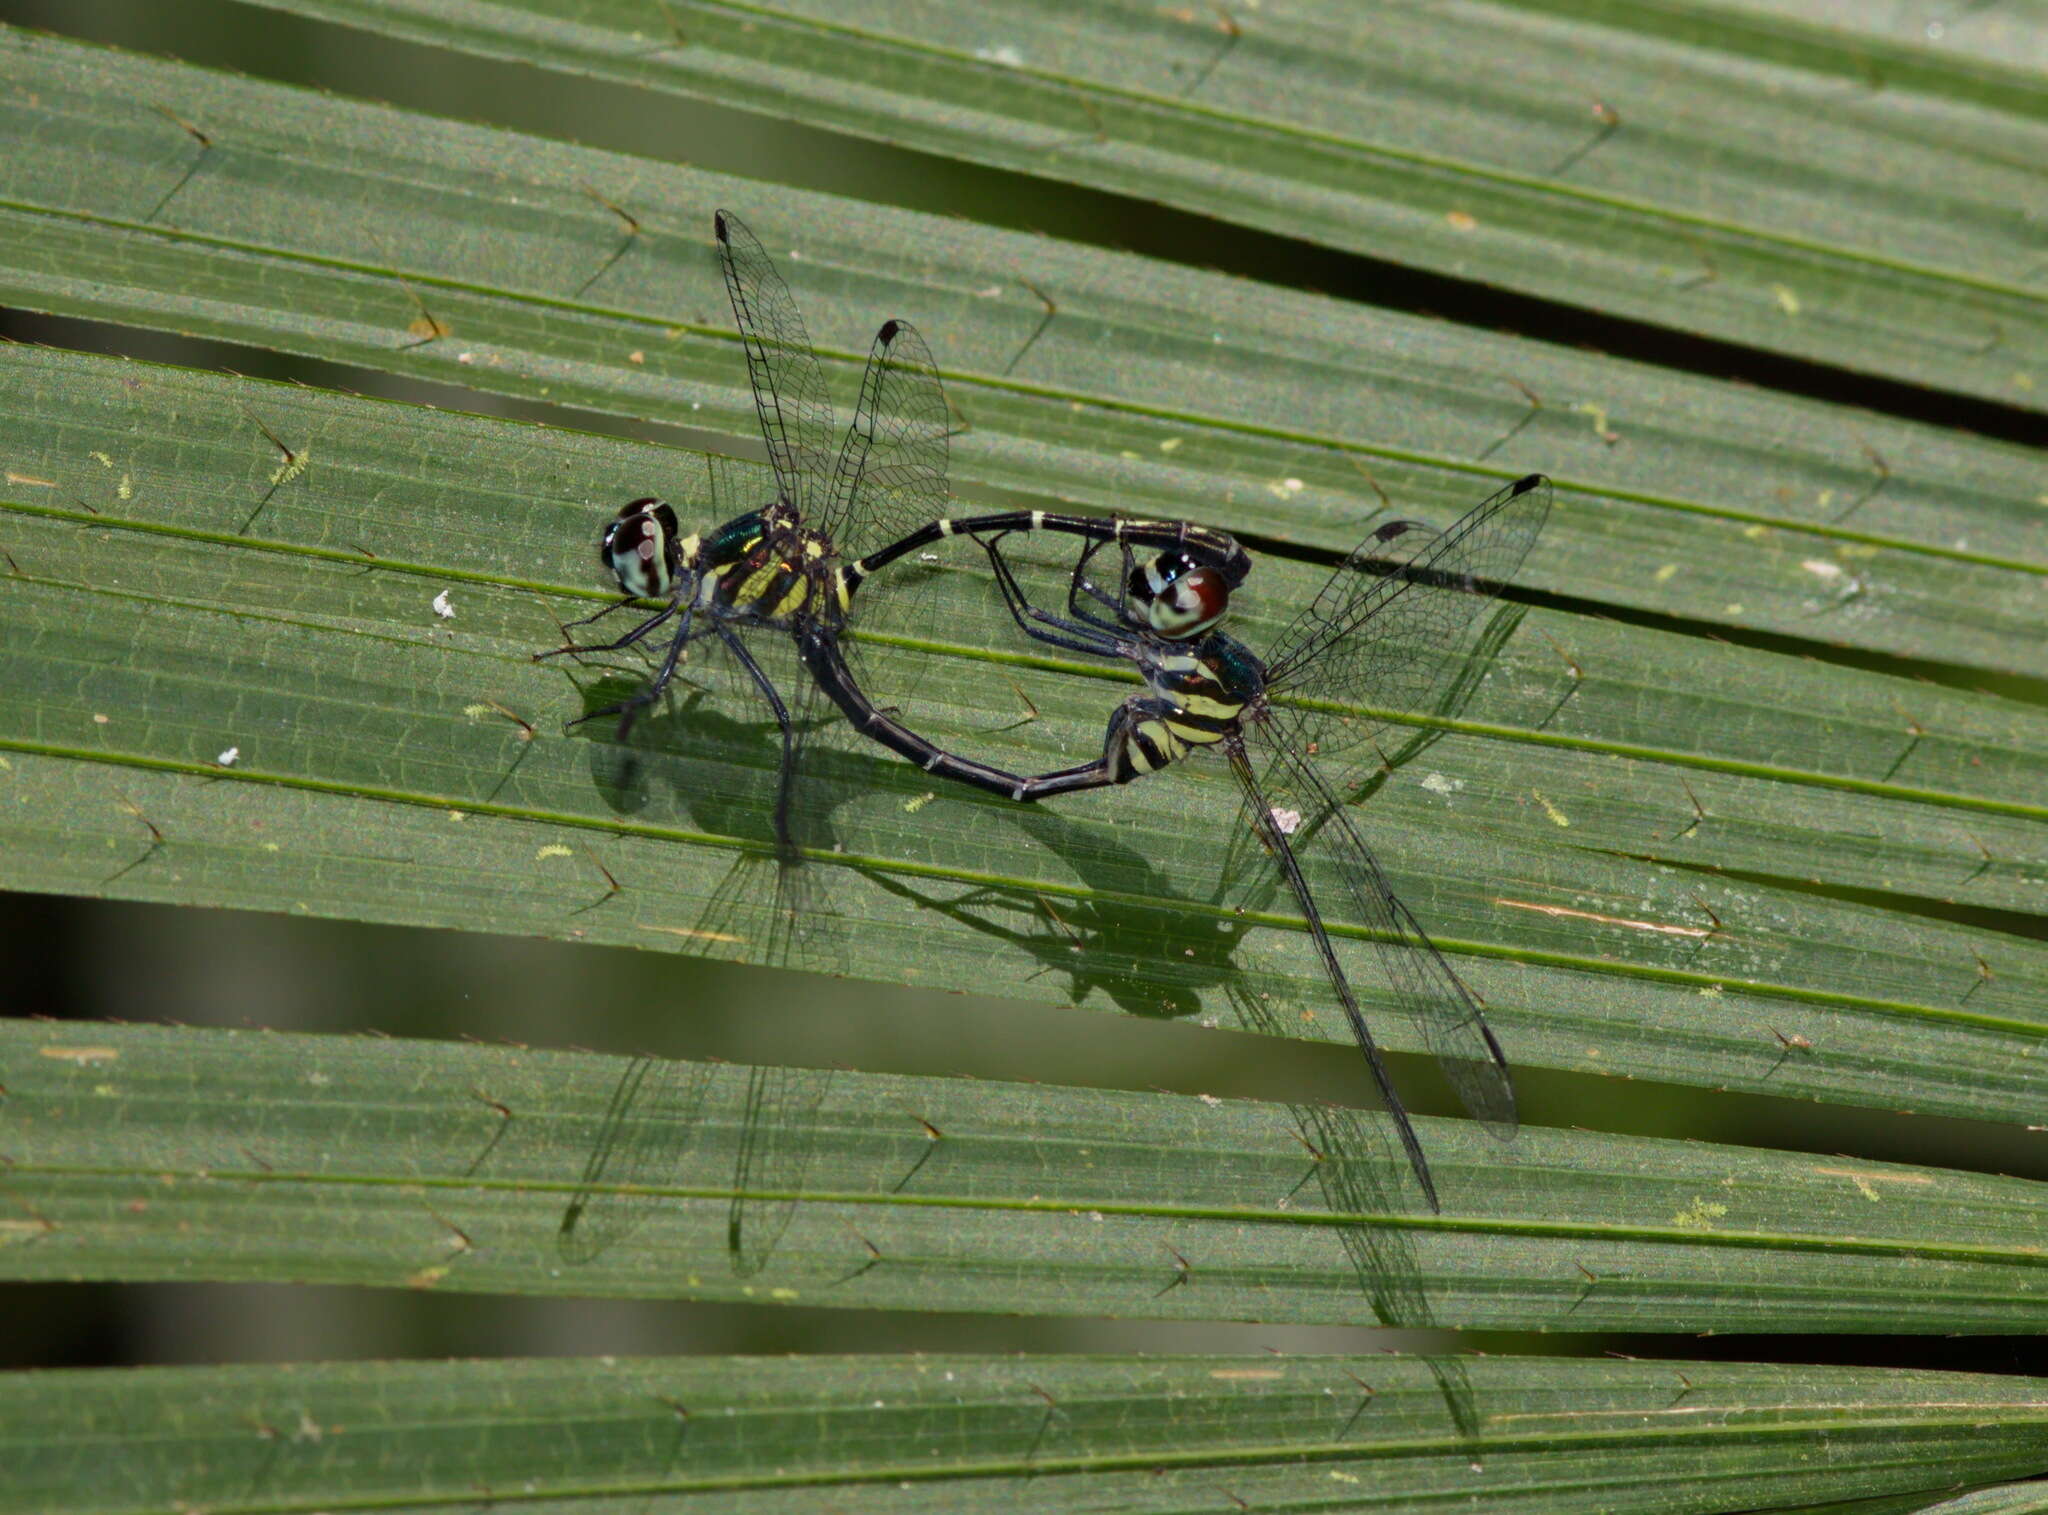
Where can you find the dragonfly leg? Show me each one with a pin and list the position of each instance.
(1080, 584)
(785, 840)
(628, 710)
(1040, 625)
(625, 641)
(618, 604)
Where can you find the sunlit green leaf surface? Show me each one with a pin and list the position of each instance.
(144, 1153)
(154, 634)
(344, 231)
(1772, 181)
(1717, 803)
(958, 1433)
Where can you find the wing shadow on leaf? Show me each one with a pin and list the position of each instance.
(720, 772)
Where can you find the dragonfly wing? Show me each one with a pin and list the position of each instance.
(1276, 834)
(777, 1135)
(1389, 630)
(797, 928)
(891, 477)
(764, 910)
(789, 388)
(1445, 1013)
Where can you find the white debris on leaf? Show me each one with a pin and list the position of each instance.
(1439, 784)
(227, 758)
(1004, 54)
(1286, 822)
(442, 608)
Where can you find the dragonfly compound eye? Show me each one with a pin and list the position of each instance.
(1189, 602)
(640, 548)
(1154, 579)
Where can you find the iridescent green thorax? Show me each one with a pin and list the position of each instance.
(764, 566)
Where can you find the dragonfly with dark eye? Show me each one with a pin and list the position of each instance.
(771, 572)
(774, 569)
(791, 567)
(1383, 635)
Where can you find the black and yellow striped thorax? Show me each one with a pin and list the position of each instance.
(1199, 695)
(764, 566)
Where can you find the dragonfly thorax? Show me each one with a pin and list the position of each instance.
(1217, 676)
(764, 566)
(1175, 596)
(641, 548)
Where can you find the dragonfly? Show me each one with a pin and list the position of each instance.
(775, 568)
(1383, 633)
(771, 572)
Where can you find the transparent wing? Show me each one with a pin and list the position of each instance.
(773, 911)
(1387, 630)
(891, 479)
(1354, 1165)
(789, 388)
(1324, 850)
(892, 467)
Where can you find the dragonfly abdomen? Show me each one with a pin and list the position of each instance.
(1214, 548)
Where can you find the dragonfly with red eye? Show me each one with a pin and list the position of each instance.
(1385, 633)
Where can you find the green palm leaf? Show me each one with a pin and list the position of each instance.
(1748, 800)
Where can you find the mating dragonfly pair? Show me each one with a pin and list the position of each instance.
(1382, 634)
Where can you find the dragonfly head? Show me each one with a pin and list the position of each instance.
(1177, 596)
(640, 548)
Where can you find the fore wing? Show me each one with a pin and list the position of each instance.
(1388, 631)
(1428, 991)
(891, 477)
(789, 388)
